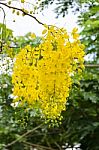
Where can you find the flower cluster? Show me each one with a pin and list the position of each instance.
(42, 75)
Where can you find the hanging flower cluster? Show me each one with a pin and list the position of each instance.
(42, 74)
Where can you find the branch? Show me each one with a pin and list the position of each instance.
(2, 30)
(92, 65)
(36, 145)
(58, 146)
(4, 14)
(25, 13)
(23, 135)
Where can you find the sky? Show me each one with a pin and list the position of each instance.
(23, 25)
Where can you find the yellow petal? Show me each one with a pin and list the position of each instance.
(74, 30)
(44, 31)
(33, 35)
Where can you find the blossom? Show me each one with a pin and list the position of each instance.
(42, 74)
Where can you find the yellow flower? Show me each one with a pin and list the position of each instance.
(75, 34)
(44, 31)
(33, 35)
(42, 75)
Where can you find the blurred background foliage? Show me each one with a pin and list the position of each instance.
(80, 124)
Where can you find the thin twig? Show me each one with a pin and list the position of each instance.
(36, 145)
(92, 65)
(58, 146)
(2, 30)
(23, 135)
(25, 13)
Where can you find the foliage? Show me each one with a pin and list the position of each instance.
(62, 6)
(89, 21)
